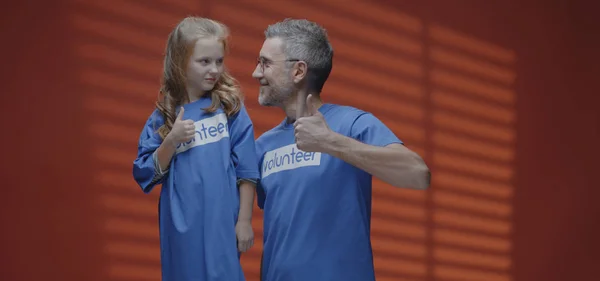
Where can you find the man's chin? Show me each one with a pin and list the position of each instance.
(264, 102)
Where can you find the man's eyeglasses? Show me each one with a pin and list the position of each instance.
(262, 62)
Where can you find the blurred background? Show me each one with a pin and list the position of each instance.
(499, 97)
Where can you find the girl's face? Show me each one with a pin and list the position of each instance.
(204, 67)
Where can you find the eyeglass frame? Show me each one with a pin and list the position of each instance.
(261, 61)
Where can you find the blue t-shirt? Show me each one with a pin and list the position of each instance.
(317, 208)
(199, 200)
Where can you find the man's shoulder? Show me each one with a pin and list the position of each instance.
(345, 112)
(268, 134)
(341, 118)
(268, 139)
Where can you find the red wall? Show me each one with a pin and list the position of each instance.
(499, 100)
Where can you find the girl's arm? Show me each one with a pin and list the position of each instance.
(247, 190)
(163, 156)
(243, 227)
(154, 154)
(243, 154)
(146, 170)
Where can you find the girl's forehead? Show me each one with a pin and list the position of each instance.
(208, 47)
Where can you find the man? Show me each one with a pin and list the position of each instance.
(317, 164)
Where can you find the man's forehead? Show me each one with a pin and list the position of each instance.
(272, 49)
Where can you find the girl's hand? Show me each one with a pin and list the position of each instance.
(182, 131)
(245, 235)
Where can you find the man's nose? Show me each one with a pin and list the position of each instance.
(257, 74)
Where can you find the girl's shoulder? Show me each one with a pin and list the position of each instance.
(154, 121)
(156, 117)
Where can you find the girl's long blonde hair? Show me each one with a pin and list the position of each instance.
(226, 92)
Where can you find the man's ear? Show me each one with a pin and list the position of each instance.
(300, 71)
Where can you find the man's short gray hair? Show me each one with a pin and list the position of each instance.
(307, 41)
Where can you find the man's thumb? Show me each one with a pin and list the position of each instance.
(311, 105)
(180, 115)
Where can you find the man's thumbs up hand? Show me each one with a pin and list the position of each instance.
(311, 131)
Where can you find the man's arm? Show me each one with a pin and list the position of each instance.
(394, 163)
(372, 147)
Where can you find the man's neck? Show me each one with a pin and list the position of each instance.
(290, 106)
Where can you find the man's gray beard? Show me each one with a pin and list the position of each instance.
(277, 98)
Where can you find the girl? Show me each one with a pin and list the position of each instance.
(199, 144)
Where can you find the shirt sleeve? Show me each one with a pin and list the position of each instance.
(146, 171)
(370, 130)
(243, 150)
